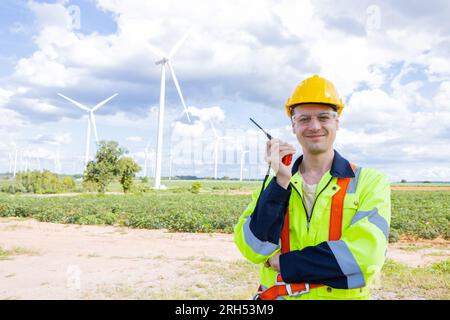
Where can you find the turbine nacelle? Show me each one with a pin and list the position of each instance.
(162, 61)
(91, 119)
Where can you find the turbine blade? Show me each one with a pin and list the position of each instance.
(98, 105)
(178, 89)
(178, 44)
(214, 130)
(79, 105)
(156, 51)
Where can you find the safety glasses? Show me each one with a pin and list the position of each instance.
(303, 119)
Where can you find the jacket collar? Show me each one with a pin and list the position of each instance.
(340, 167)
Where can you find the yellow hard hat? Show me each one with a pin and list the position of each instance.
(315, 90)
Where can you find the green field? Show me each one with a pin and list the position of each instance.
(216, 208)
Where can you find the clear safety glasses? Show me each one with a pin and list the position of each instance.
(302, 119)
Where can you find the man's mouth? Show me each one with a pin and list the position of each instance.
(316, 136)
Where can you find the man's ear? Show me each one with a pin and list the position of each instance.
(292, 125)
(337, 124)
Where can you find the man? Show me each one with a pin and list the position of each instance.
(319, 229)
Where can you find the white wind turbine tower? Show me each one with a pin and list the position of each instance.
(216, 147)
(14, 171)
(147, 152)
(57, 160)
(10, 162)
(243, 153)
(165, 61)
(91, 120)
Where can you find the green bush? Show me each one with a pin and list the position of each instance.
(40, 182)
(13, 188)
(195, 187)
(393, 235)
(415, 214)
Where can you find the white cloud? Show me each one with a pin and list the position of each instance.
(442, 98)
(252, 51)
(215, 114)
(135, 139)
(5, 95)
(53, 139)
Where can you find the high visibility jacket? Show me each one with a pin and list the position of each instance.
(344, 267)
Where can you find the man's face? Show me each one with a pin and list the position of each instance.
(318, 134)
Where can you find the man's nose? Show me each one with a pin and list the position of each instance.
(314, 123)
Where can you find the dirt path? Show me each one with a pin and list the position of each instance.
(420, 188)
(56, 261)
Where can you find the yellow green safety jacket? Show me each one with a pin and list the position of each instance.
(346, 266)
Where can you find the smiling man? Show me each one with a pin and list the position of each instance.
(320, 228)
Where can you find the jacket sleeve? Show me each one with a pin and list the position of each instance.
(352, 261)
(257, 233)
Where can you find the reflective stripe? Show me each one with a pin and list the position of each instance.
(354, 182)
(380, 222)
(264, 248)
(375, 218)
(347, 263)
(361, 215)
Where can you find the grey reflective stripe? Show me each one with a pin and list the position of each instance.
(264, 248)
(375, 218)
(361, 215)
(380, 222)
(347, 263)
(354, 182)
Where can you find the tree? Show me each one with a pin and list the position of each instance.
(127, 171)
(68, 183)
(105, 167)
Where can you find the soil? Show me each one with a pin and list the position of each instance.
(57, 261)
(420, 188)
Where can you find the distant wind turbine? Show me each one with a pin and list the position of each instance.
(165, 61)
(91, 120)
(216, 147)
(243, 152)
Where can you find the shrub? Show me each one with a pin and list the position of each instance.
(195, 187)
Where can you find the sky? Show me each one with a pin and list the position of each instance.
(389, 61)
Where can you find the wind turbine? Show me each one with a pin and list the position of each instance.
(10, 162)
(15, 163)
(91, 120)
(216, 147)
(243, 152)
(165, 61)
(57, 161)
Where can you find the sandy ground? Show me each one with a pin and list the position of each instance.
(424, 188)
(56, 261)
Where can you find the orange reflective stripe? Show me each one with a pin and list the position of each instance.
(334, 233)
(337, 208)
(285, 245)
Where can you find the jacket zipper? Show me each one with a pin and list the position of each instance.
(304, 207)
(308, 219)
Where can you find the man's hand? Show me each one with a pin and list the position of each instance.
(275, 151)
(274, 262)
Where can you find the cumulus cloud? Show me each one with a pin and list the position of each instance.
(393, 75)
(135, 139)
(58, 139)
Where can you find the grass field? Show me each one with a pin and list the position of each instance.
(417, 214)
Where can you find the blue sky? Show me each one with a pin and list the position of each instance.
(389, 61)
